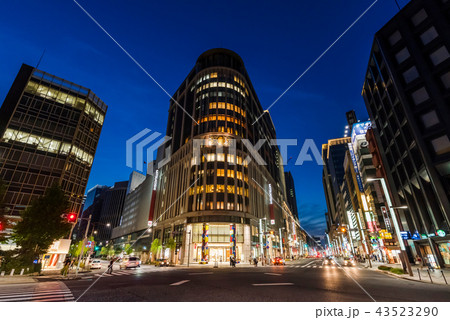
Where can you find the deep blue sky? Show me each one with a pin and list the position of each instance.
(276, 40)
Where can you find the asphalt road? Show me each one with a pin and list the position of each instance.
(305, 280)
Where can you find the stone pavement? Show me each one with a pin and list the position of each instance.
(435, 276)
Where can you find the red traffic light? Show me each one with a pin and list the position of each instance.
(72, 217)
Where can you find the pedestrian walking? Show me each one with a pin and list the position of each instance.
(255, 261)
(231, 261)
(110, 267)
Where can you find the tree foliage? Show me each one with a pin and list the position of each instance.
(42, 223)
(156, 245)
(128, 248)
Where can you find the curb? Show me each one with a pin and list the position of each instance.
(409, 279)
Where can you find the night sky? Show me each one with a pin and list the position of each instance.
(276, 40)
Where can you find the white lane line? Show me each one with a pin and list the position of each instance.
(49, 296)
(198, 273)
(320, 267)
(104, 275)
(32, 292)
(273, 284)
(309, 263)
(297, 266)
(308, 266)
(273, 274)
(179, 282)
(314, 266)
(35, 294)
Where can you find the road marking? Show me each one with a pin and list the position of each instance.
(198, 273)
(179, 282)
(273, 284)
(320, 267)
(314, 266)
(273, 274)
(309, 263)
(297, 266)
(308, 266)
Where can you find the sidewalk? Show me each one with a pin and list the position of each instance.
(438, 276)
(16, 279)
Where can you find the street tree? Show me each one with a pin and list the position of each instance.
(42, 223)
(171, 244)
(156, 245)
(128, 249)
(104, 251)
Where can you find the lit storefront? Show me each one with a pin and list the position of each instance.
(56, 254)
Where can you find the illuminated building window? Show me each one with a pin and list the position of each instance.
(47, 145)
(213, 75)
(230, 158)
(230, 173)
(220, 172)
(64, 98)
(230, 189)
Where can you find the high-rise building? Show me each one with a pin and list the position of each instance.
(111, 213)
(92, 208)
(49, 130)
(290, 193)
(407, 95)
(333, 155)
(209, 198)
(133, 226)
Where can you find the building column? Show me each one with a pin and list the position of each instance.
(247, 243)
(187, 246)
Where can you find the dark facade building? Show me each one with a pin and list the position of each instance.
(92, 207)
(111, 213)
(49, 130)
(407, 94)
(208, 197)
(333, 155)
(290, 190)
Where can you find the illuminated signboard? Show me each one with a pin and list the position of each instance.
(359, 129)
(441, 233)
(355, 166)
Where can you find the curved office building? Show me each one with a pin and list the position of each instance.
(211, 195)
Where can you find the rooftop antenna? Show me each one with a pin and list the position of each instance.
(40, 59)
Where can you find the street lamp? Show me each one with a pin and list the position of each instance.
(394, 219)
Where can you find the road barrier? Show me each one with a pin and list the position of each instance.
(443, 276)
(430, 276)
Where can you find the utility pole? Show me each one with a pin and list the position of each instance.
(84, 243)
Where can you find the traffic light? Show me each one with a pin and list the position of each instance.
(343, 230)
(72, 217)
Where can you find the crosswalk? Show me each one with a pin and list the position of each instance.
(36, 292)
(113, 274)
(317, 267)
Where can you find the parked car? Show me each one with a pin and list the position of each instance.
(130, 262)
(278, 261)
(96, 264)
(162, 263)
